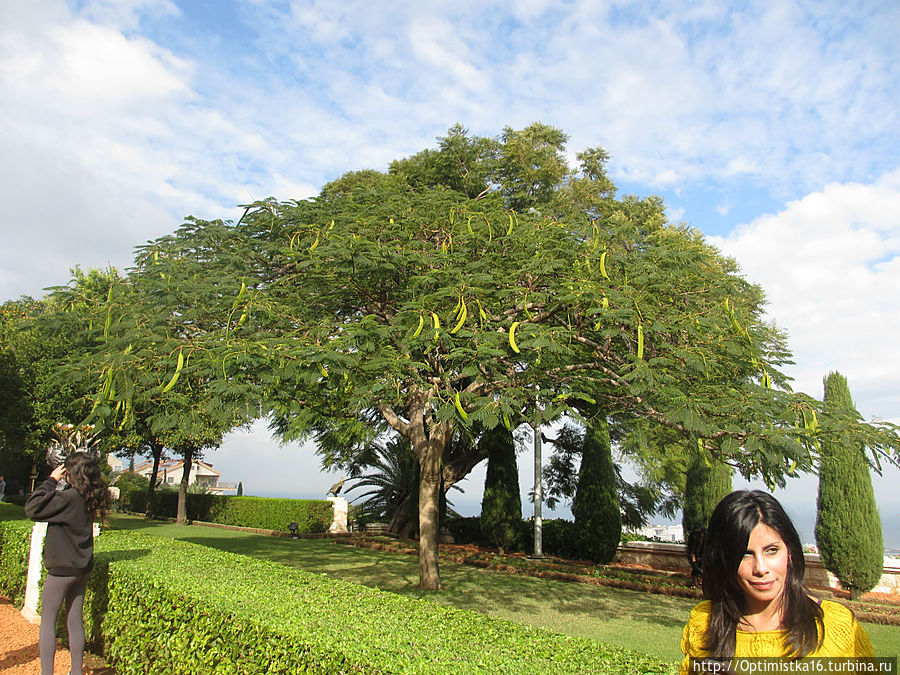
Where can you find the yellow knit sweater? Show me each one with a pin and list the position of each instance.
(843, 636)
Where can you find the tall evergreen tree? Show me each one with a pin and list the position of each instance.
(848, 527)
(598, 521)
(706, 481)
(501, 506)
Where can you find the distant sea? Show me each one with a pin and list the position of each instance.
(805, 521)
(890, 530)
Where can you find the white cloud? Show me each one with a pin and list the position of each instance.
(741, 165)
(830, 264)
(108, 143)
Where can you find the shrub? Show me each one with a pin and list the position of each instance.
(558, 538)
(465, 530)
(157, 605)
(15, 542)
(11, 511)
(15, 500)
(129, 483)
(311, 515)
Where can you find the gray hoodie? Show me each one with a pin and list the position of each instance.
(69, 546)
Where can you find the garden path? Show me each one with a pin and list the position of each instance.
(19, 648)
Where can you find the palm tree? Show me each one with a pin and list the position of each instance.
(394, 487)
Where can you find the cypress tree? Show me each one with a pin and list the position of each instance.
(706, 481)
(848, 527)
(598, 520)
(240, 490)
(501, 506)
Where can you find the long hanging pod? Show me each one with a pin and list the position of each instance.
(178, 366)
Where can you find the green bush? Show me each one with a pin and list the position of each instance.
(11, 511)
(558, 538)
(15, 500)
(465, 530)
(557, 535)
(128, 483)
(15, 543)
(311, 515)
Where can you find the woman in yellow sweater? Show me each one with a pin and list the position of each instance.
(757, 605)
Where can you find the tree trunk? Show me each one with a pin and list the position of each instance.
(429, 440)
(181, 518)
(156, 452)
(429, 525)
(400, 522)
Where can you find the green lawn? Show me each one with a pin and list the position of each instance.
(645, 622)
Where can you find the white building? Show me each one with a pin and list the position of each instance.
(116, 464)
(170, 472)
(671, 533)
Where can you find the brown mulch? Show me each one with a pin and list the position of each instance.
(19, 653)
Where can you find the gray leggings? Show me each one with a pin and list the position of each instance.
(57, 589)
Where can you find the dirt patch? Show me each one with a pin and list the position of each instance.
(19, 653)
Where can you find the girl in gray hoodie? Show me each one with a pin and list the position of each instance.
(69, 501)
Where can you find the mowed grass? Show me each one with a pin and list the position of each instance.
(646, 622)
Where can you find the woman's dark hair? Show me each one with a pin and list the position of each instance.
(83, 474)
(725, 544)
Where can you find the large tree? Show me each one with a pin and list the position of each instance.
(848, 527)
(412, 301)
(39, 342)
(158, 363)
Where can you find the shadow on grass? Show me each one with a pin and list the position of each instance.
(643, 621)
(466, 587)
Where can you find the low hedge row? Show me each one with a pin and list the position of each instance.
(557, 535)
(11, 511)
(164, 606)
(15, 543)
(311, 515)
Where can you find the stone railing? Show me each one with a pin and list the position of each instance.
(672, 557)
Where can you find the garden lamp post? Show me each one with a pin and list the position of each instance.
(538, 493)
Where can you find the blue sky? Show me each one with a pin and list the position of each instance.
(772, 127)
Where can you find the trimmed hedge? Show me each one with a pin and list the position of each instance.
(557, 535)
(311, 515)
(163, 606)
(15, 543)
(11, 511)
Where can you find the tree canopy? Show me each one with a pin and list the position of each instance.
(476, 284)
